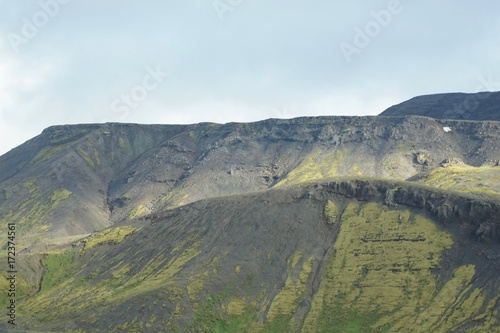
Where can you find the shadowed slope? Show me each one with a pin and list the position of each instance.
(478, 106)
(351, 255)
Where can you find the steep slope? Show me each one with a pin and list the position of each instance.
(344, 255)
(241, 227)
(73, 180)
(56, 184)
(478, 106)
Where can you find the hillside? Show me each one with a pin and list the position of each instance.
(362, 224)
(367, 255)
(73, 180)
(478, 106)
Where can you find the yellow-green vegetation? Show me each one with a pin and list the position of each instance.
(85, 155)
(48, 152)
(316, 166)
(488, 320)
(45, 227)
(30, 185)
(356, 171)
(60, 196)
(96, 156)
(90, 155)
(484, 180)
(23, 287)
(85, 293)
(176, 198)
(30, 213)
(193, 288)
(331, 212)
(423, 157)
(156, 273)
(192, 135)
(208, 317)
(53, 274)
(237, 306)
(287, 300)
(453, 304)
(109, 236)
(346, 130)
(138, 212)
(380, 279)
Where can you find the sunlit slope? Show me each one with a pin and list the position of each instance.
(483, 181)
(348, 256)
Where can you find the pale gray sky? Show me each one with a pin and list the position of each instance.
(85, 61)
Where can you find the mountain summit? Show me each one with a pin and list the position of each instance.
(478, 106)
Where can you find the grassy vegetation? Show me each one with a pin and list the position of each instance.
(207, 317)
(82, 151)
(59, 196)
(331, 212)
(380, 277)
(339, 319)
(288, 298)
(90, 291)
(49, 152)
(211, 317)
(137, 212)
(483, 180)
(57, 269)
(236, 323)
(317, 165)
(30, 213)
(23, 287)
(109, 236)
(176, 198)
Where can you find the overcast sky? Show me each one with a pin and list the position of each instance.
(87, 61)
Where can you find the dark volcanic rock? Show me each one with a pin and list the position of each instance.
(479, 106)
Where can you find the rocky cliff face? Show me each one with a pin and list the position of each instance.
(354, 223)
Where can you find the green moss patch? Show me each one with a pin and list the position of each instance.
(317, 165)
(463, 178)
(109, 236)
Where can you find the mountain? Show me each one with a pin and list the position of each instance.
(350, 224)
(478, 106)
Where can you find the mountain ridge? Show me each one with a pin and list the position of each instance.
(476, 106)
(182, 163)
(244, 226)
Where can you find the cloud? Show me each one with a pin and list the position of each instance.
(265, 59)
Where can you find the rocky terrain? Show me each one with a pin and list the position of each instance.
(479, 106)
(350, 224)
